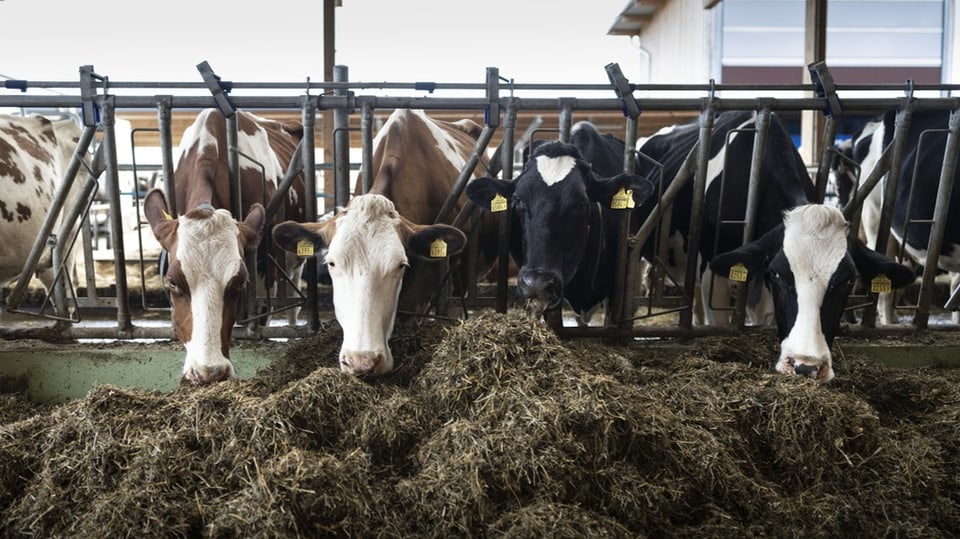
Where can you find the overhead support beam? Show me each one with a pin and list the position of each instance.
(814, 51)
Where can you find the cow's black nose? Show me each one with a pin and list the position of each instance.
(806, 370)
(538, 284)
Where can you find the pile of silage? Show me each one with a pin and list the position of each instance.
(494, 427)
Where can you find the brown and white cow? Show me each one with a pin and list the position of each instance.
(369, 251)
(416, 161)
(34, 154)
(206, 274)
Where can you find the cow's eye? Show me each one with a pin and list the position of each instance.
(331, 264)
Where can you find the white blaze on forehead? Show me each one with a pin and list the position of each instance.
(554, 169)
(209, 255)
(814, 242)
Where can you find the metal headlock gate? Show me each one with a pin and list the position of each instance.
(94, 97)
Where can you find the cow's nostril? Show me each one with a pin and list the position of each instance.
(806, 370)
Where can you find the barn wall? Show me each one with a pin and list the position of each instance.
(679, 40)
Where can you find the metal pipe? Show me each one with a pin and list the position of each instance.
(461, 183)
(696, 210)
(366, 146)
(939, 224)
(621, 303)
(341, 143)
(306, 155)
(753, 205)
(164, 119)
(826, 150)
(503, 219)
(112, 181)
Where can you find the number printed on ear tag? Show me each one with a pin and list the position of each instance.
(881, 284)
(438, 248)
(498, 204)
(738, 273)
(622, 200)
(304, 249)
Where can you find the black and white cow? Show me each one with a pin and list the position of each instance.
(810, 266)
(563, 229)
(923, 153)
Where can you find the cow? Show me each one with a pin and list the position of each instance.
(206, 276)
(34, 154)
(563, 230)
(923, 152)
(810, 266)
(416, 161)
(369, 250)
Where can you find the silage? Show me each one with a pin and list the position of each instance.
(495, 427)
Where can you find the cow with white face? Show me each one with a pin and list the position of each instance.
(34, 154)
(205, 278)
(810, 267)
(367, 249)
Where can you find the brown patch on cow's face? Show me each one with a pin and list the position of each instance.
(233, 295)
(178, 290)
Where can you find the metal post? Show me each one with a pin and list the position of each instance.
(164, 120)
(753, 204)
(341, 142)
(938, 227)
(901, 130)
(308, 153)
(503, 220)
(696, 209)
(366, 145)
(621, 304)
(112, 178)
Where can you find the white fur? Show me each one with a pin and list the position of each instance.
(210, 256)
(554, 169)
(814, 242)
(366, 260)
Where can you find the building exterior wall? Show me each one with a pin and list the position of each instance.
(677, 44)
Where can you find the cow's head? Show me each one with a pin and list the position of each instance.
(557, 217)
(367, 249)
(810, 267)
(206, 278)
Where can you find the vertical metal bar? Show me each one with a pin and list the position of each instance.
(308, 152)
(901, 130)
(938, 227)
(826, 153)
(341, 143)
(753, 204)
(503, 220)
(164, 121)
(696, 210)
(565, 121)
(366, 145)
(233, 166)
(112, 178)
(621, 303)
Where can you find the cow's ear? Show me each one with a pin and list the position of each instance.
(163, 225)
(603, 190)
(251, 226)
(870, 264)
(304, 239)
(483, 191)
(435, 242)
(754, 257)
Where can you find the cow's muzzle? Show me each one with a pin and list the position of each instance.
(362, 363)
(544, 287)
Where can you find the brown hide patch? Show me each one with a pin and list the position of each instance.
(29, 144)
(7, 166)
(23, 213)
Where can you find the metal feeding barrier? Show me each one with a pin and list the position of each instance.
(98, 100)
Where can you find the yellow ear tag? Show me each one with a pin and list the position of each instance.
(167, 215)
(438, 248)
(880, 284)
(304, 249)
(498, 204)
(622, 200)
(738, 273)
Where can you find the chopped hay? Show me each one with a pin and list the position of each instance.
(495, 427)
